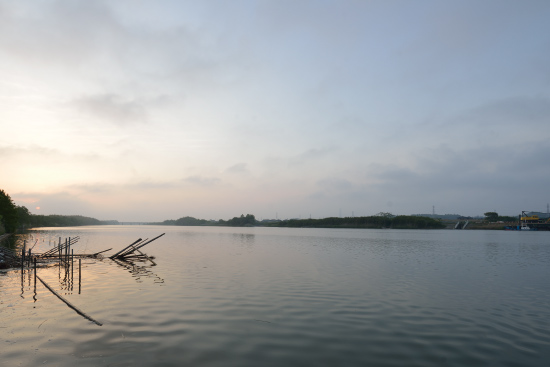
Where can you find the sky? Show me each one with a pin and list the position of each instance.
(152, 110)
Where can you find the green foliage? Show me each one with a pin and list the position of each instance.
(186, 221)
(8, 212)
(412, 222)
(377, 221)
(62, 221)
(491, 216)
(242, 221)
(506, 218)
(24, 216)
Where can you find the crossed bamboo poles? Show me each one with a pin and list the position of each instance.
(66, 255)
(129, 252)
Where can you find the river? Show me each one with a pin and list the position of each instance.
(221, 296)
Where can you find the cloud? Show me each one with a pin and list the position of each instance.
(520, 112)
(341, 189)
(310, 155)
(202, 181)
(389, 173)
(238, 168)
(56, 203)
(335, 184)
(306, 159)
(61, 33)
(113, 108)
(32, 150)
(464, 181)
(361, 102)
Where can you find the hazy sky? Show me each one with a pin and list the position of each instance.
(153, 110)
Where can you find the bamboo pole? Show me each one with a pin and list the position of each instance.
(148, 242)
(133, 243)
(75, 255)
(79, 274)
(72, 269)
(35, 275)
(139, 246)
(69, 304)
(23, 254)
(131, 248)
(60, 247)
(148, 258)
(100, 252)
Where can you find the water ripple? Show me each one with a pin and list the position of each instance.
(272, 297)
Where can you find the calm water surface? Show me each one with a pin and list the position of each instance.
(286, 297)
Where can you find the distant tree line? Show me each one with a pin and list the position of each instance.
(8, 213)
(494, 217)
(62, 221)
(242, 221)
(14, 217)
(187, 221)
(378, 221)
(381, 220)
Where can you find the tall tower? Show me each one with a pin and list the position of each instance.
(433, 210)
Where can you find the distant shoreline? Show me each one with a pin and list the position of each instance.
(368, 222)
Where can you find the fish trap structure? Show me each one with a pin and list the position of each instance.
(8, 257)
(132, 251)
(63, 255)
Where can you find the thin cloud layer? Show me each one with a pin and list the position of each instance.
(285, 108)
(112, 108)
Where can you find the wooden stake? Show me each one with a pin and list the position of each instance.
(79, 274)
(72, 272)
(23, 254)
(35, 275)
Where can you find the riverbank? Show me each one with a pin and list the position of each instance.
(480, 224)
(372, 222)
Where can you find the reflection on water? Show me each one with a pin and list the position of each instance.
(139, 271)
(272, 297)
